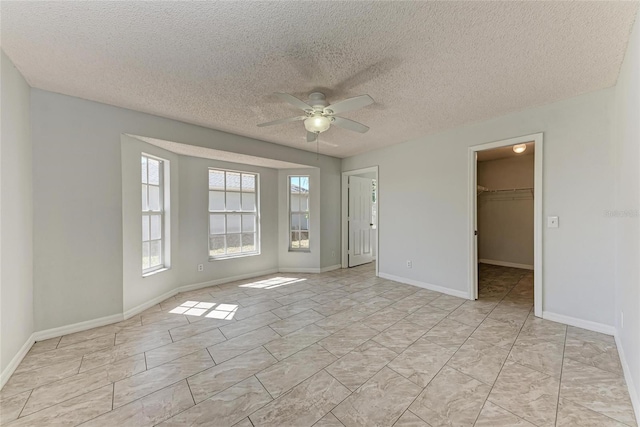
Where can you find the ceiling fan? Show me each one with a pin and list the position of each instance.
(319, 115)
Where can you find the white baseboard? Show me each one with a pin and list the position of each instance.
(187, 288)
(441, 289)
(631, 386)
(77, 327)
(13, 365)
(331, 268)
(506, 264)
(579, 323)
(148, 304)
(299, 270)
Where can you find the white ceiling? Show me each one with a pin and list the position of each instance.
(429, 65)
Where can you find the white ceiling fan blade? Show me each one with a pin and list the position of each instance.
(312, 136)
(350, 124)
(349, 104)
(277, 122)
(294, 101)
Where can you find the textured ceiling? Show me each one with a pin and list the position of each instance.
(429, 65)
(225, 156)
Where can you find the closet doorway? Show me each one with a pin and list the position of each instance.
(505, 221)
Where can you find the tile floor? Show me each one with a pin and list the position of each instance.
(338, 349)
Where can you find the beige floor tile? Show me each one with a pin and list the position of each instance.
(510, 314)
(340, 320)
(147, 382)
(498, 333)
(547, 330)
(447, 303)
(411, 303)
(71, 412)
(379, 401)
(329, 420)
(421, 361)
(28, 380)
(247, 325)
(452, 398)
(470, 314)
(601, 354)
(246, 312)
(304, 405)
(45, 345)
(409, 419)
(185, 331)
(169, 352)
(244, 423)
(526, 393)
(449, 333)
(285, 346)
(122, 351)
(359, 365)
(286, 374)
(479, 360)
(598, 390)
(220, 377)
(427, 316)
(225, 408)
(345, 340)
(571, 414)
(295, 322)
(295, 308)
(400, 336)
(494, 416)
(539, 354)
(241, 344)
(589, 336)
(384, 318)
(150, 410)
(59, 391)
(295, 297)
(11, 406)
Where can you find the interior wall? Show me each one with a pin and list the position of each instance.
(16, 221)
(298, 260)
(425, 181)
(625, 214)
(505, 220)
(78, 246)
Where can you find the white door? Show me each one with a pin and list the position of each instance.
(360, 200)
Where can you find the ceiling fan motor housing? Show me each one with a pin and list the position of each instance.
(318, 101)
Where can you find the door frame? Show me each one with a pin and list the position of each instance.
(345, 209)
(537, 138)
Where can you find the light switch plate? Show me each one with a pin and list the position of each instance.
(552, 222)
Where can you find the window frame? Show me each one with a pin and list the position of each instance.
(241, 212)
(162, 212)
(291, 213)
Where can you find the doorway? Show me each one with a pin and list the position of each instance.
(360, 212)
(505, 218)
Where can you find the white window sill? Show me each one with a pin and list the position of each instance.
(223, 257)
(154, 272)
(304, 251)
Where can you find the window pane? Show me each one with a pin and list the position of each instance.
(294, 184)
(233, 181)
(304, 184)
(216, 224)
(233, 223)
(233, 243)
(145, 228)
(248, 223)
(216, 180)
(304, 239)
(154, 198)
(248, 183)
(154, 171)
(144, 170)
(295, 202)
(145, 205)
(145, 255)
(156, 227)
(304, 203)
(295, 240)
(304, 222)
(216, 200)
(248, 201)
(216, 245)
(248, 242)
(295, 221)
(155, 253)
(233, 201)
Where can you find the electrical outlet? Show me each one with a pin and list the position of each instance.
(409, 264)
(622, 319)
(200, 267)
(552, 222)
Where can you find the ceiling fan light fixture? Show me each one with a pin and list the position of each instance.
(317, 123)
(520, 148)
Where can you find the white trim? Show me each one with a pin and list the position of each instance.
(309, 269)
(77, 327)
(505, 264)
(13, 365)
(331, 268)
(148, 304)
(579, 323)
(187, 288)
(344, 207)
(537, 138)
(633, 391)
(424, 285)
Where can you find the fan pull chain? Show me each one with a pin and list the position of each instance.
(318, 147)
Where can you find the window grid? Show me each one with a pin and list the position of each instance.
(233, 214)
(152, 214)
(299, 213)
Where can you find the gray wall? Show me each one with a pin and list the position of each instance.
(16, 222)
(78, 246)
(425, 181)
(626, 219)
(505, 220)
